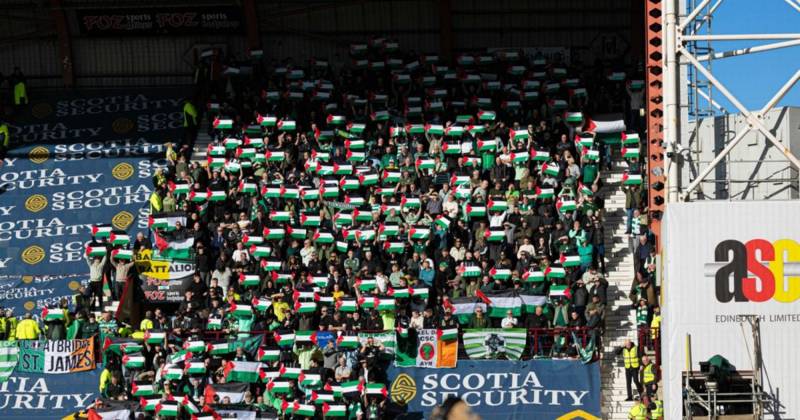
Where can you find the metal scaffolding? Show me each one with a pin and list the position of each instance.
(689, 42)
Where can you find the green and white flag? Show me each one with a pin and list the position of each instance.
(9, 355)
(387, 338)
(242, 371)
(631, 179)
(489, 343)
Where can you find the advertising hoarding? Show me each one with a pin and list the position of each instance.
(723, 260)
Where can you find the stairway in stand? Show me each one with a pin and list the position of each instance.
(620, 319)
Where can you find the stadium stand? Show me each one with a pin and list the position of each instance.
(308, 226)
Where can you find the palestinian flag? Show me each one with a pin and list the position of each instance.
(507, 341)
(242, 371)
(451, 148)
(564, 206)
(419, 233)
(394, 247)
(590, 154)
(254, 142)
(346, 305)
(189, 406)
(267, 121)
(216, 162)
(487, 145)
(584, 189)
(463, 308)
(336, 120)
(605, 124)
(616, 76)
(303, 410)
(154, 337)
(174, 249)
(274, 156)
(245, 152)
(502, 273)
(410, 202)
(631, 179)
(172, 373)
(378, 389)
(555, 273)
(329, 191)
(308, 379)
(231, 143)
(348, 341)
(286, 125)
(630, 153)
(278, 387)
(149, 404)
(454, 131)
(550, 168)
(305, 308)
(629, 139)
(425, 164)
(382, 115)
(366, 285)
(517, 134)
(321, 237)
(349, 387)
(392, 177)
(521, 156)
(96, 250)
(530, 302)
(261, 304)
(569, 260)
(310, 221)
(165, 221)
(443, 222)
(280, 278)
(260, 251)
(222, 124)
(271, 265)
(469, 270)
(501, 302)
(290, 372)
(355, 129)
(232, 166)
(415, 128)
(543, 193)
(101, 231)
(179, 188)
(384, 304)
(271, 234)
(321, 396)
(197, 367)
(268, 355)
(216, 151)
(284, 340)
(497, 205)
(585, 139)
(53, 314)
(133, 361)
(349, 183)
(216, 349)
(334, 410)
(368, 179)
(457, 180)
(194, 347)
(533, 276)
(214, 324)
(233, 391)
(249, 280)
(247, 187)
(448, 334)
(557, 291)
(319, 281)
(354, 156)
(143, 389)
(252, 240)
(495, 235)
(434, 129)
(475, 211)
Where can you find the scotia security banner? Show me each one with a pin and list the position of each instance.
(42, 396)
(502, 389)
(78, 159)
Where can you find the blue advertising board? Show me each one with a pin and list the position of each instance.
(42, 396)
(502, 389)
(78, 159)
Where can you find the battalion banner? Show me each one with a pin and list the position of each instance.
(56, 356)
(535, 389)
(40, 396)
(80, 158)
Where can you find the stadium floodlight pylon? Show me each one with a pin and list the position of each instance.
(676, 53)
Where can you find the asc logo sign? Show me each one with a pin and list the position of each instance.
(756, 271)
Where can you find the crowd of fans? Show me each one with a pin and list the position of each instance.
(364, 198)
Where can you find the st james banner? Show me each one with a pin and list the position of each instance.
(79, 159)
(56, 356)
(535, 389)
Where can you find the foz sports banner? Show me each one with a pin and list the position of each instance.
(535, 389)
(77, 160)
